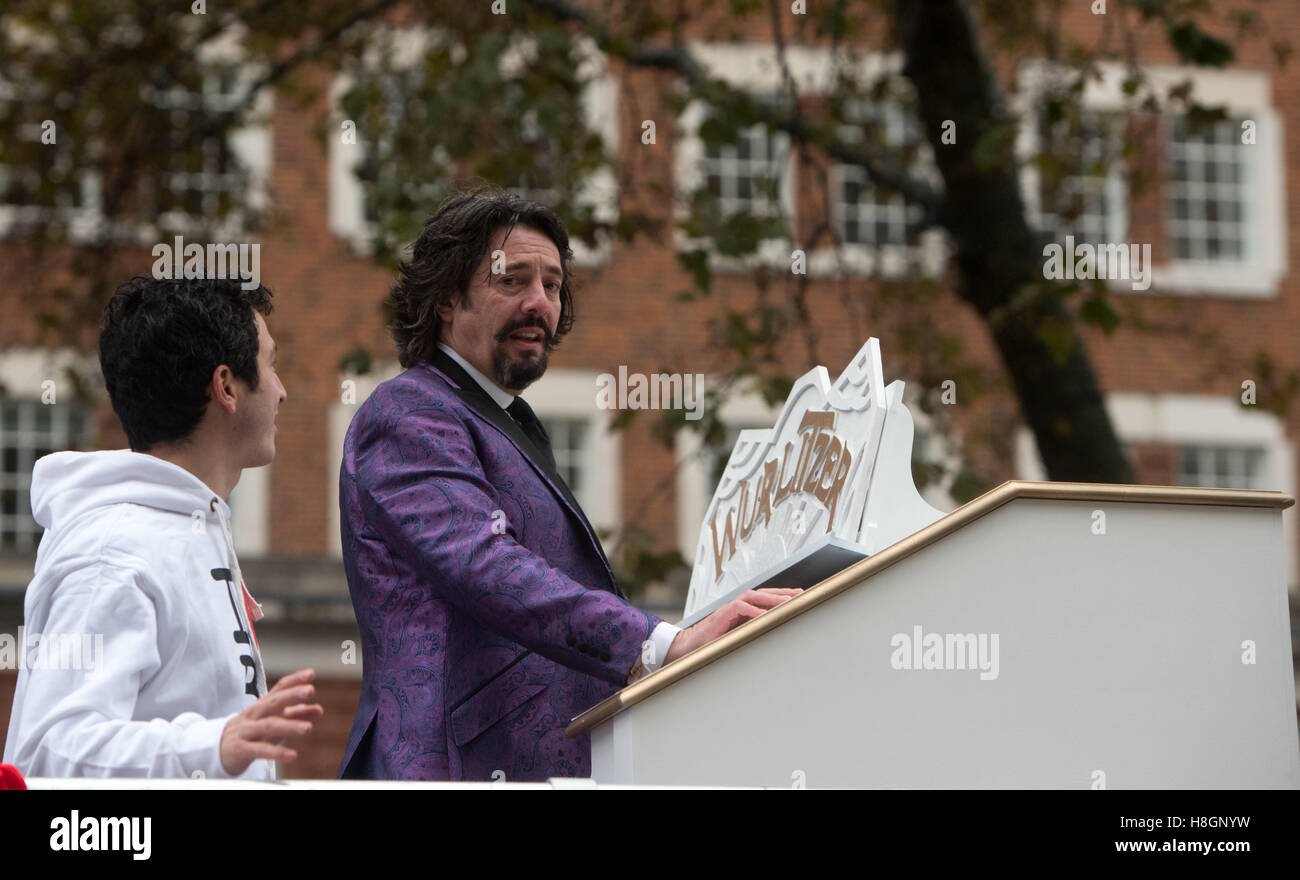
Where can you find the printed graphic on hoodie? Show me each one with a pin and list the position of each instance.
(242, 635)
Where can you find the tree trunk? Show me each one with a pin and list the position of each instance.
(998, 257)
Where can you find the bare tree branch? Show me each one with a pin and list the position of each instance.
(880, 171)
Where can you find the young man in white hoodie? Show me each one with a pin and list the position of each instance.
(155, 668)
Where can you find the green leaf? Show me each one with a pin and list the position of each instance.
(1200, 117)
(719, 129)
(1195, 46)
(994, 147)
(740, 235)
(697, 263)
(968, 485)
(622, 420)
(775, 389)
(1058, 338)
(1097, 310)
(356, 361)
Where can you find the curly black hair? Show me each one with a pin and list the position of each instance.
(453, 244)
(160, 341)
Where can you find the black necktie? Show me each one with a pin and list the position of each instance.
(523, 414)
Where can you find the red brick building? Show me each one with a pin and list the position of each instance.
(1222, 222)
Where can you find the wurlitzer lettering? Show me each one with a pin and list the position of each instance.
(821, 466)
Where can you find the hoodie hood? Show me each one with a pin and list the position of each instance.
(68, 485)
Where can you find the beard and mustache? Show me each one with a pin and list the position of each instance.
(516, 374)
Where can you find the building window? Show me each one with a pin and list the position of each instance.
(405, 157)
(745, 177)
(1222, 467)
(587, 452)
(381, 170)
(250, 512)
(220, 176)
(1081, 187)
(1222, 185)
(30, 429)
(572, 453)
(202, 180)
(870, 217)
(1208, 191)
(538, 182)
(865, 215)
(48, 186)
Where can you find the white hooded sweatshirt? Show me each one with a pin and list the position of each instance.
(137, 647)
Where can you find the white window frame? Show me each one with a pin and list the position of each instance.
(1035, 78)
(755, 68)
(1195, 420)
(778, 143)
(1204, 452)
(1117, 197)
(889, 260)
(251, 145)
(1245, 94)
(250, 512)
(568, 393)
(81, 219)
(24, 369)
(688, 161)
(1244, 187)
(346, 206)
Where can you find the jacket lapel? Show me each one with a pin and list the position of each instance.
(468, 390)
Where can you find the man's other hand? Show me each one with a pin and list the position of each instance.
(744, 607)
(259, 731)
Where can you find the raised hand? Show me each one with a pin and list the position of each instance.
(260, 730)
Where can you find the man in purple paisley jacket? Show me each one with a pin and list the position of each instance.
(488, 612)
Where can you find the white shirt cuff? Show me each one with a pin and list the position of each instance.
(661, 640)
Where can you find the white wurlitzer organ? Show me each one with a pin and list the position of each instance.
(1046, 635)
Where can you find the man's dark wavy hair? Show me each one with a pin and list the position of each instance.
(453, 244)
(160, 341)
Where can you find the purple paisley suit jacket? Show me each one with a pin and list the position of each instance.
(489, 616)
